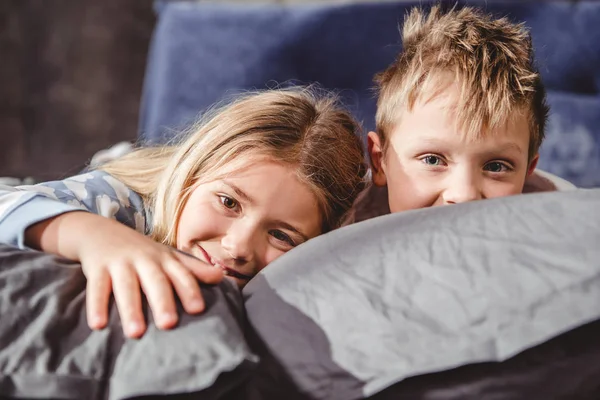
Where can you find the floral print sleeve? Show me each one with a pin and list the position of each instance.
(96, 192)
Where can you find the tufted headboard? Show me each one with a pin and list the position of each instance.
(203, 52)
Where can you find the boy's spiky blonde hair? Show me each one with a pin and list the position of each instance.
(490, 59)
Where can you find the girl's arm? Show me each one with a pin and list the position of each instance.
(96, 192)
(93, 218)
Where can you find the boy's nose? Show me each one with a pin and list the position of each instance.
(462, 189)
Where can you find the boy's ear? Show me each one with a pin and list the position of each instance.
(532, 164)
(377, 161)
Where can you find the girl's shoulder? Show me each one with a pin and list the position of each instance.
(85, 186)
(98, 192)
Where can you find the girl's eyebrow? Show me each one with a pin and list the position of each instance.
(243, 195)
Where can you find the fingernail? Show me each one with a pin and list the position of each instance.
(197, 304)
(168, 319)
(97, 322)
(134, 329)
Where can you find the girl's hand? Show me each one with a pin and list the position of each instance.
(116, 258)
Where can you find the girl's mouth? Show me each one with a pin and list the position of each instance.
(233, 273)
(228, 271)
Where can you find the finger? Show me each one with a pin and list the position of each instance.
(158, 290)
(98, 290)
(128, 298)
(186, 286)
(202, 271)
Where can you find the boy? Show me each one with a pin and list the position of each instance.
(460, 114)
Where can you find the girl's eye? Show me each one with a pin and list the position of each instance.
(432, 160)
(496, 167)
(282, 237)
(228, 202)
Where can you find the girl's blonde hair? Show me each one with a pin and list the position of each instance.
(300, 127)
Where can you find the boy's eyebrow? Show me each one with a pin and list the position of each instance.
(508, 146)
(243, 195)
(504, 147)
(433, 141)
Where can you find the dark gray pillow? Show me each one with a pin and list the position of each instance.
(47, 350)
(352, 313)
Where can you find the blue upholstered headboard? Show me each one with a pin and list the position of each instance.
(203, 52)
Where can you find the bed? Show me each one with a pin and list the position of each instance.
(496, 299)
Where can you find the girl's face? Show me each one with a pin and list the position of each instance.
(247, 219)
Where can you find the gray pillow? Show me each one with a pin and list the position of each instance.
(47, 350)
(358, 310)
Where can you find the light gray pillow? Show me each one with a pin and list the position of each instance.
(355, 311)
(47, 350)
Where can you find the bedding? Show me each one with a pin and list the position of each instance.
(488, 300)
(357, 312)
(47, 350)
(483, 300)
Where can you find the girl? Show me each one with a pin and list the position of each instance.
(251, 181)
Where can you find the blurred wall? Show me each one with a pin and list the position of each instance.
(71, 74)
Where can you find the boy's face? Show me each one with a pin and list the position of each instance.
(428, 162)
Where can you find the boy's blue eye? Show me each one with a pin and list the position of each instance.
(432, 160)
(496, 166)
(279, 235)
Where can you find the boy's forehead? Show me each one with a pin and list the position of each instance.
(438, 119)
(437, 110)
(440, 87)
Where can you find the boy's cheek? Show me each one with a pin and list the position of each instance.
(402, 193)
(395, 202)
(403, 198)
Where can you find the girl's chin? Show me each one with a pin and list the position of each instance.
(240, 283)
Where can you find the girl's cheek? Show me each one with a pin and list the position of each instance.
(271, 255)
